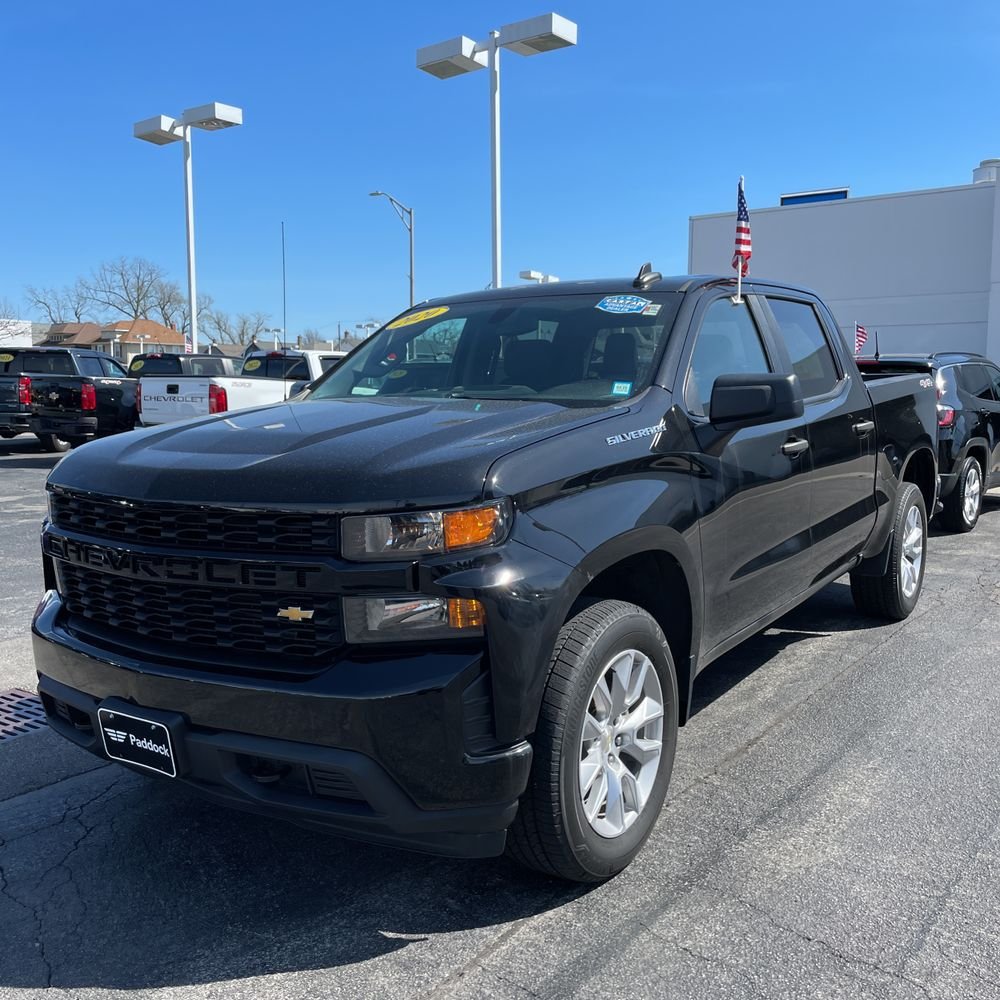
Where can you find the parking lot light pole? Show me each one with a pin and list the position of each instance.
(161, 131)
(463, 55)
(406, 217)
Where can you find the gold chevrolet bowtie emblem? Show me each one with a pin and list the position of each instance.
(295, 614)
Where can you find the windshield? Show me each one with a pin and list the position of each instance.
(582, 349)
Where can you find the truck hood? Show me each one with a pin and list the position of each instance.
(357, 454)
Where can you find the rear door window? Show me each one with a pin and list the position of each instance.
(112, 369)
(91, 367)
(975, 380)
(994, 377)
(810, 353)
(728, 344)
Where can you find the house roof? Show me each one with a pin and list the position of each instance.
(229, 350)
(142, 331)
(71, 335)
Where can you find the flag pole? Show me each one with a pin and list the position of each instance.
(738, 301)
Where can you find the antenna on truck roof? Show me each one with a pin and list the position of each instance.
(646, 277)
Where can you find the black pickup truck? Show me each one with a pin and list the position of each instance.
(455, 597)
(64, 395)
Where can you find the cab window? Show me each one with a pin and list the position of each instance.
(728, 344)
(812, 359)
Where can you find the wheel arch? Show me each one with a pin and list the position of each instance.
(920, 469)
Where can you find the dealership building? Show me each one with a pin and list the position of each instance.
(920, 267)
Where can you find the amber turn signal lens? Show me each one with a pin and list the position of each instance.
(463, 528)
(465, 613)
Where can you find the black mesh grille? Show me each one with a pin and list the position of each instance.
(200, 528)
(238, 627)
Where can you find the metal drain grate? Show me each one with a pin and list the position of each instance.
(20, 712)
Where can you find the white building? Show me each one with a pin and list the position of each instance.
(15, 333)
(921, 267)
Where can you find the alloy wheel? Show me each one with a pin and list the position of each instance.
(912, 556)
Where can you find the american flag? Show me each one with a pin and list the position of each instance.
(187, 345)
(860, 337)
(744, 248)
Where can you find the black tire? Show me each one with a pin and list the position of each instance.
(886, 596)
(970, 487)
(551, 832)
(52, 442)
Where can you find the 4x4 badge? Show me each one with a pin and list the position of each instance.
(295, 614)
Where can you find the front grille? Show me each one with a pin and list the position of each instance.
(193, 527)
(236, 627)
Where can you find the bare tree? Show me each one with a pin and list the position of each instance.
(70, 304)
(239, 330)
(128, 285)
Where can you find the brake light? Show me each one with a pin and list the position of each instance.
(218, 401)
(24, 390)
(946, 415)
(275, 354)
(138, 399)
(88, 397)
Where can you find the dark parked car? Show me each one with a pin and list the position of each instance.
(63, 395)
(968, 388)
(459, 605)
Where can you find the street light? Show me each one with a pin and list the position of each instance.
(542, 279)
(463, 55)
(162, 130)
(406, 217)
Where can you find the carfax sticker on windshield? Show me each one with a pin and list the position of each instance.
(252, 365)
(417, 317)
(624, 304)
(621, 389)
(6, 358)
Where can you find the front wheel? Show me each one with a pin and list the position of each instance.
(962, 506)
(603, 748)
(52, 442)
(894, 594)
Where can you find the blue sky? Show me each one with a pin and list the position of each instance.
(607, 147)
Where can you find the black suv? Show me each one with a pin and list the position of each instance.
(968, 388)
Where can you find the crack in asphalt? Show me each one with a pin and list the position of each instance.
(74, 813)
(825, 945)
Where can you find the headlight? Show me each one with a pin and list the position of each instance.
(402, 536)
(415, 617)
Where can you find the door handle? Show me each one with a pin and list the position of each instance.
(864, 427)
(794, 447)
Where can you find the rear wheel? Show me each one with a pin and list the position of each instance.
(603, 749)
(52, 442)
(962, 506)
(895, 593)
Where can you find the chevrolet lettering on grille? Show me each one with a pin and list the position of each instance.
(182, 569)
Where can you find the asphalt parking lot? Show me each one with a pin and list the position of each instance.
(832, 830)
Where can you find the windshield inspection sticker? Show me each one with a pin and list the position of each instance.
(621, 389)
(623, 304)
(252, 365)
(417, 317)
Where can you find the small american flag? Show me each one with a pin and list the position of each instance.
(187, 345)
(860, 337)
(744, 248)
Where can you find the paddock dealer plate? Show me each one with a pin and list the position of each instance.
(135, 740)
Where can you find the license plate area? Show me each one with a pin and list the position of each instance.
(137, 740)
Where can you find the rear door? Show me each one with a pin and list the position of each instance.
(993, 416)
(840, 427)
(756, 511)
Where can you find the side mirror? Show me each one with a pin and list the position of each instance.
(298, 387)
(747, 399)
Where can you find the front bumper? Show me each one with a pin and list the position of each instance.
(390, 751)
(64, 427)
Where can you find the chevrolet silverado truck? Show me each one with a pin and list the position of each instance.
(265, 377)
(462, 611)
(65, 396)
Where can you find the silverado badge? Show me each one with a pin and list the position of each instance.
(295, 614)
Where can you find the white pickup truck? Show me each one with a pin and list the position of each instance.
(266, 377)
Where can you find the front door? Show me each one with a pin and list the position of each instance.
(756, 500)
